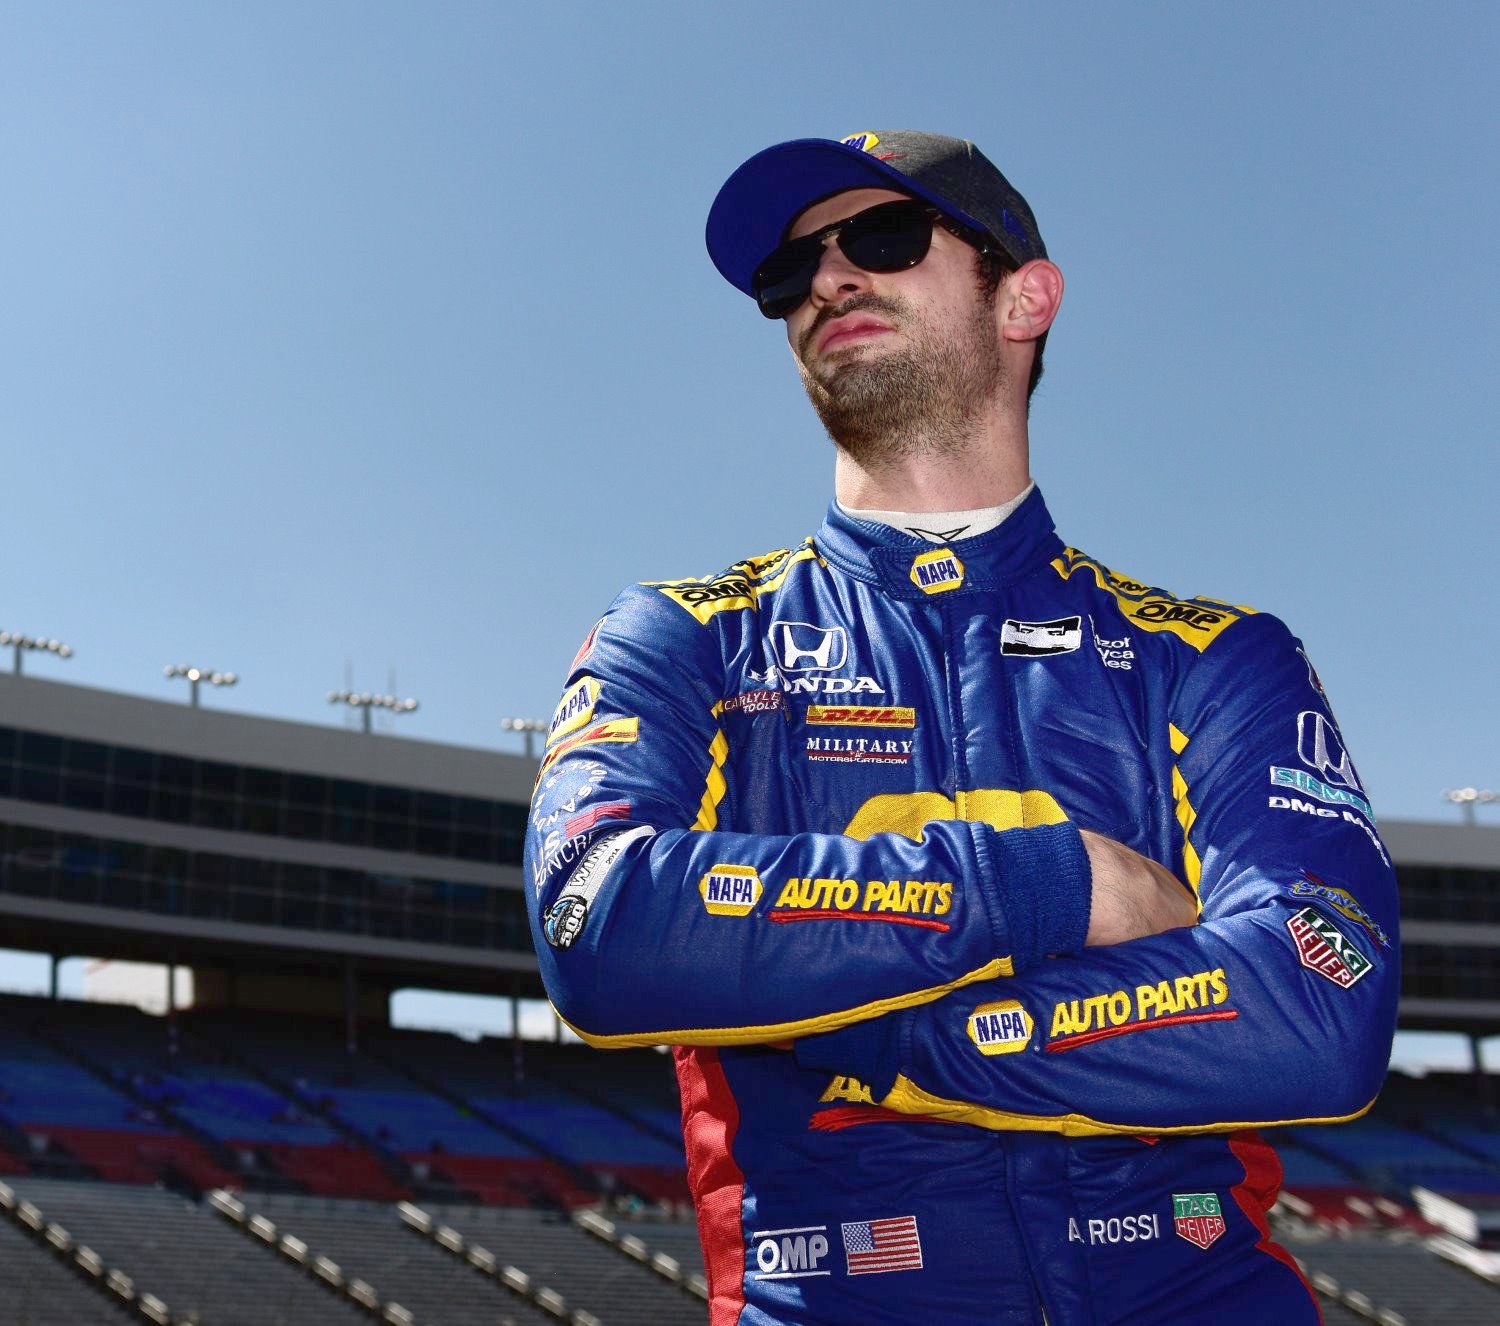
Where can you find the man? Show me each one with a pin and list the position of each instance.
(989, 896)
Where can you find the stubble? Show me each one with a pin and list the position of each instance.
(925, 398)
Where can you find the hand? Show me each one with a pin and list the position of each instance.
(1133, 895)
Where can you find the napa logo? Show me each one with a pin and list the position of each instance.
(866, 142)
(937, 572)
(730, 890)
(1000, 1028)
(574, 709)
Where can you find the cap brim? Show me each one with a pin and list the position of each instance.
(765, 195)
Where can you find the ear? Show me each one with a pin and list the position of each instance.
(1029, 301)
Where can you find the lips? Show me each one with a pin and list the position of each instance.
(850, 330)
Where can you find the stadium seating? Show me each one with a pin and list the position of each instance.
(39, 1287)
(1400, 1276)
(498, 1142)
(593, 1276)
(185, 1256)
(370, 1241)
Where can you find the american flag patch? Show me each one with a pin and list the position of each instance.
(871, 1246)
(585, 820)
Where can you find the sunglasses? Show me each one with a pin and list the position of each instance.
(889, 237)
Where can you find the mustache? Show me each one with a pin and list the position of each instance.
(869, 301)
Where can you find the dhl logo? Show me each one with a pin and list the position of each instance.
(612, 730)
(861, 715)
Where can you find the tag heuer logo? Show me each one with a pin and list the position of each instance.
(1324, 948)
(1197, 1217)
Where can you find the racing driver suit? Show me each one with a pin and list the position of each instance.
(814, 822)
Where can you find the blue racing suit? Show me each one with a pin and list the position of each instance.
(814, 822)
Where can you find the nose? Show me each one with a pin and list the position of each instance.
(837, 278)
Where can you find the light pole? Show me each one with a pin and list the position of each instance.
(19, 642)
(529, 726)
(1466, 798)
(365, 702)
(196, 676)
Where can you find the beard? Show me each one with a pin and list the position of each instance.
(923, 399)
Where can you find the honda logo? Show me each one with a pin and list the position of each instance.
(803, 647)
(1322, 749)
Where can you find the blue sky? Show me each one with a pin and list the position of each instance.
(382, 337)
(379, 340)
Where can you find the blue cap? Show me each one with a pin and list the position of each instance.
(758, 203)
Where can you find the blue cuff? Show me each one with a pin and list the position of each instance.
(1044, 884)
(866, 1050)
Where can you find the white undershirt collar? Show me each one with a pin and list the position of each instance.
(943, 526)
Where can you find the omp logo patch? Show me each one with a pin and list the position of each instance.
(1000, 1028)
(1196, 621)
(861, 715)
(790, 1254)
(574, 709)
(739, 587)
(730, 890)
(1163, 612)
(1198, 1217)
(937, 572)
(1167, 1003)
(611, 731)
(1323, 948)
(1039, 639)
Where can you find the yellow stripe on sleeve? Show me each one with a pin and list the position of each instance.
(908, 1098)
(715, 786)
(786, 1031)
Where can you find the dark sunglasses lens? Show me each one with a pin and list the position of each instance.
(785, 279)
(888, 238)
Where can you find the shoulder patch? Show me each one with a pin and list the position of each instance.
(1198, 621)
(737, 588)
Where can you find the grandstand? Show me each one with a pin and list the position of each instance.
(279, 1152)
